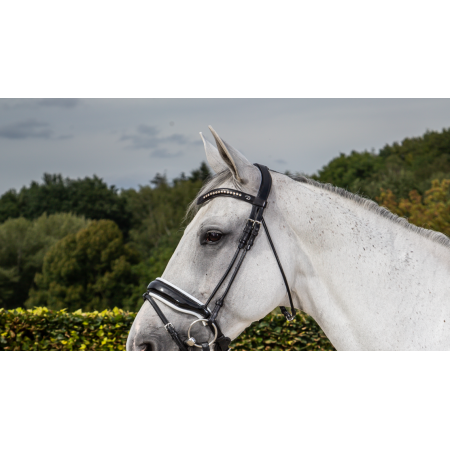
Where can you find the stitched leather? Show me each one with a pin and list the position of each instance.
(177, 298)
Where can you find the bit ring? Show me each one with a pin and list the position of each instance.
(203, 320)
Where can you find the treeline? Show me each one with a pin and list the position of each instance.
(400, 167)
(81, 244)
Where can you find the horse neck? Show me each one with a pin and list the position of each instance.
(369, 282)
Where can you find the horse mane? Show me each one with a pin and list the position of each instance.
(370, 205)
(219, 179)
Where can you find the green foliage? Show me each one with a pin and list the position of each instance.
(150, 268)
(432, 210)
(349, 171)
(23, 244)
(90, 269)
(274, 333)
(41, 329)
(410, 165)
(88, 197)
(158, 215)
(158, 212)
(200, 174)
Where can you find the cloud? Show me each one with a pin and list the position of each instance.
(59, 102)
(164, 153)
(31, 103)
(180, 139)
(26, 129)
(281, 161)
(149, 137)
(148, 130)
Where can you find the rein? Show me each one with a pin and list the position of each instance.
(179, 300)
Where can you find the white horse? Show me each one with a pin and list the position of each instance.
(370, 279)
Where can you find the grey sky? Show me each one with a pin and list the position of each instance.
(127, 141)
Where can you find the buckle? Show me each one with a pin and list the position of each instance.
(165, 326)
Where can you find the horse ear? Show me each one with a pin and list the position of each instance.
(242, 170)
(213, 157)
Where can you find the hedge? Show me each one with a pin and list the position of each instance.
(275, 333)
(41, 329)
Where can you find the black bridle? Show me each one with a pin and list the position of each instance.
(177, 299)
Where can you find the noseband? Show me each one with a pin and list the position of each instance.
(179, 300)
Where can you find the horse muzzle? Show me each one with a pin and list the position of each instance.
(161, 290)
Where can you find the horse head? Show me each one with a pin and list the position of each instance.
(223, 274)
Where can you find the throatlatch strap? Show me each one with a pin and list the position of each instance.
(289, 317)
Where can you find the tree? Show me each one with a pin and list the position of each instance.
(159, 212)
(400, 167)
(89, 270)
(88, 197)
(151, 267)
(432, 210)
(348, 171)
(200, 174)
(23, 244)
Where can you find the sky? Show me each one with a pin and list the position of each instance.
(127, 141)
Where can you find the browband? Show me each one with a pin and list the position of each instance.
(259, 201)
(227, 193)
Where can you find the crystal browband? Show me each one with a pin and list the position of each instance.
(228, 193)
(225, 191)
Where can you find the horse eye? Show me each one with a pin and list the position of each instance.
(213, 236)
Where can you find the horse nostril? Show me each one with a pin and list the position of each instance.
(145, 347)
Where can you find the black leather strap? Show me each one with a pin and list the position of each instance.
(230, 266)
(223, 343)
(167, 325)
(265, 186)
(177, 298)
(289, 317)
